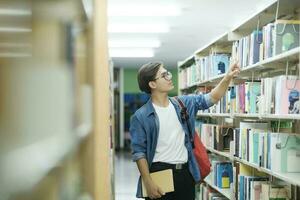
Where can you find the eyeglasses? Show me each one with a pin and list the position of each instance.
(166, 75)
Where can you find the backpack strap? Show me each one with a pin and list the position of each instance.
(185, 118)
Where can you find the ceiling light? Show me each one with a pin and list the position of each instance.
(14, 30)
(15, 12)
(134, 43)
(133, 53)
(138, 28)
(143, 10)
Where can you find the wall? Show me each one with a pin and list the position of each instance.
(131, 85)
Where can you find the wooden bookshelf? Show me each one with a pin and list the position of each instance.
(63, 143)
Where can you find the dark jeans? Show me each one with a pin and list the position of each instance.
(184, 185)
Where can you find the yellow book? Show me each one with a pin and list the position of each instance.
(163, 179)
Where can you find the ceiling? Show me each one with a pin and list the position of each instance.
(199, 23)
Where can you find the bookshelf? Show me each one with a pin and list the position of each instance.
(55, 142)
(293, 178)
(225, 192)
(266, 67)
(254, 116)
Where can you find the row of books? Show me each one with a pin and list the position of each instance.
(204, 68)
(278, 152)
(215, 136)
(277, 95)
(242, 183)
(255, 143)
(259, 188)
(273, 39)
(189, 76)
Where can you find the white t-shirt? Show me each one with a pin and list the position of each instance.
(170, 145)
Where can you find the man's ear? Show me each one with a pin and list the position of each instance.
(152, 84)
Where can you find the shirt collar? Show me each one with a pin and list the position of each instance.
(150, 109)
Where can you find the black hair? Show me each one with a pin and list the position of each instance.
(146, 74)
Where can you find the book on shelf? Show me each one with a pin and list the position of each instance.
(279, 152)
(216, 136)
(274, 192)
(224, 176)
(278, 95)
(250, 187)
(286, 35)
(212, 65)
(272, 39)
(256, 39)
(221, 175)
(289, 100)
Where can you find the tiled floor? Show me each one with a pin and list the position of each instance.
(126, 177)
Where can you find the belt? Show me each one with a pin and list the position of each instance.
(171, 166)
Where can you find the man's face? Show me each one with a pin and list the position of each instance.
(163, 81)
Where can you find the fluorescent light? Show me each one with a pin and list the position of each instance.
(15, 12)
(138, 28)
(14, 30)
(134, 43)
(143, 10)
(133, 53)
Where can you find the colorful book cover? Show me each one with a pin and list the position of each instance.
(224, 175)
(289, 100)
(242, 98)
(286, 35)
(255, 89)
(221, 63)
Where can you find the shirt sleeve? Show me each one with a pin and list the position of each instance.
(202, 101)
(138, 139)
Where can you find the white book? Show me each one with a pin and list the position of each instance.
(275, 154)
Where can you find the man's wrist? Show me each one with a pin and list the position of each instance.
(227, 77)
(147, 178)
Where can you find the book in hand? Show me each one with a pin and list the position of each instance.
(163, 179)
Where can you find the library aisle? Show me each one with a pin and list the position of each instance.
(126, 177)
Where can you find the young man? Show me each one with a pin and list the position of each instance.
(159, 138)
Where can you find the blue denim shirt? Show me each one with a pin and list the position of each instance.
(144, 129)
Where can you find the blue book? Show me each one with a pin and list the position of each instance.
(224, 175)
(241, 188)
(220, 63)
(256, 40)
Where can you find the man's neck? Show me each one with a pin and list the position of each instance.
(160, 99)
